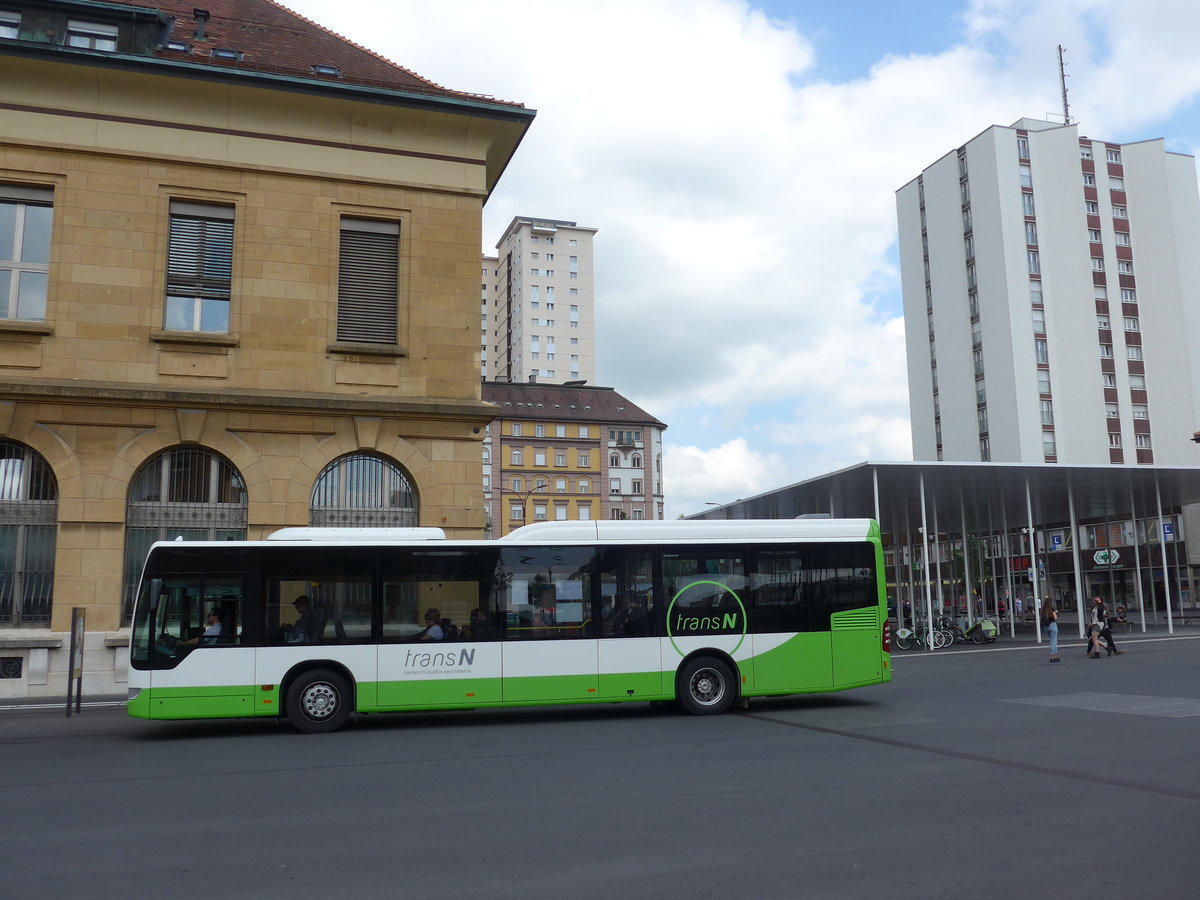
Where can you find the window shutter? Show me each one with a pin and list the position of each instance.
(368, 283)
(199, 257)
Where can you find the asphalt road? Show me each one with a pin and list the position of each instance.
(978, 774)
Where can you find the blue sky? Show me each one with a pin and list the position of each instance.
(849, 38)
(740, 160)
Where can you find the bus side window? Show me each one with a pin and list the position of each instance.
(781, 598)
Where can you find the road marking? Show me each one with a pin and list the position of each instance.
(1087, 777)
(1132, 704)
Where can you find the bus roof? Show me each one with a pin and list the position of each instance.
(604, 531)
(696, 529)
(358, 535)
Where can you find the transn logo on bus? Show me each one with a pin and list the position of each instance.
(724, 628)
(441, 662)
(685, 622)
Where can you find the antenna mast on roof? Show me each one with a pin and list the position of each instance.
(1062, 80)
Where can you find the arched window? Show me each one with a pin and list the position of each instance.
(186, 492)
(487, 454)
(28, 529)
(539, 484)
(560, 485)
(636, 461)
(362, 490)
(614, 461)
(584, 485)
(518, 458)
(517, 484)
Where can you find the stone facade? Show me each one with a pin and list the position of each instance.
(99, 386)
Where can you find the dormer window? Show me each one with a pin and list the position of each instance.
(333, 71)
(10, 23)
(179, 46)
(226, 53)
(91, 35)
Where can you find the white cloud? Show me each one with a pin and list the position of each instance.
(717, 474)
(745, 205)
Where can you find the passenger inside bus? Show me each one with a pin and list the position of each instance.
(307, 628)
(628, 617)
(433, 630)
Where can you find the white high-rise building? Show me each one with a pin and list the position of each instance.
(1052, 300)
(538, 304)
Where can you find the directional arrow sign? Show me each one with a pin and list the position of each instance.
(1106, 557)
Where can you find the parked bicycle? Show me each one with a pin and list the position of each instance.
(920, 636)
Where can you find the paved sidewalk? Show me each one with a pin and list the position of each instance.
(1026, 633)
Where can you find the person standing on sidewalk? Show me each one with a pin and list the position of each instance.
(1050, 623)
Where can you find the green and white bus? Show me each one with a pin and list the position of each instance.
(705, 613)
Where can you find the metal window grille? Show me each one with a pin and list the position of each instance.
(28, 532)
(189, 493)
(363, 491)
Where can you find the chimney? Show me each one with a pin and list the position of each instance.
(201, 16)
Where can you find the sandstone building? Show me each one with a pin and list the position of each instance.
(238, 291)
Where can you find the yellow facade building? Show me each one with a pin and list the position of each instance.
(568, 452)
(239, 275)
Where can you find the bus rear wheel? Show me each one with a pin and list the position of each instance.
(706, 687)
(318, 701)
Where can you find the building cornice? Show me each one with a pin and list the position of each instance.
(85, 393)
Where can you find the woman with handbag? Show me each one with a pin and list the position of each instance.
(1050, 622)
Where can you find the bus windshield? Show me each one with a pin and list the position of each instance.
(178, 614)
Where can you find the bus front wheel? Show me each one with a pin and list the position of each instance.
(706, 687)
(318, 701)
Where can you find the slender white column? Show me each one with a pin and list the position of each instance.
(1008, 583)
(1162, 544)
(1075, 556)
(966, 554)
(1033, 560)
(937, 557)
(1137, 559)
(925, 560)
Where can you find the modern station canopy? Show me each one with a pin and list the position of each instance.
(985, 497)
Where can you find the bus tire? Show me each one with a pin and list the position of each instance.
(318, 701)
(706, 686)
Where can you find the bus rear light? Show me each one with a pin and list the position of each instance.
(887, 636)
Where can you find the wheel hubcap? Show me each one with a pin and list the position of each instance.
(707, 687)
(319, 701)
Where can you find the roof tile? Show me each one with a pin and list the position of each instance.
(273, 38)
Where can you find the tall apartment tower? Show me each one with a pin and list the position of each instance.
(1052, 300)
(538, 304)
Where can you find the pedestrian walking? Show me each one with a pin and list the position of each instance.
(1100, 630)
(1050, 623)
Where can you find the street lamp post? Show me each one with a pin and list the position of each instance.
(524, 495)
